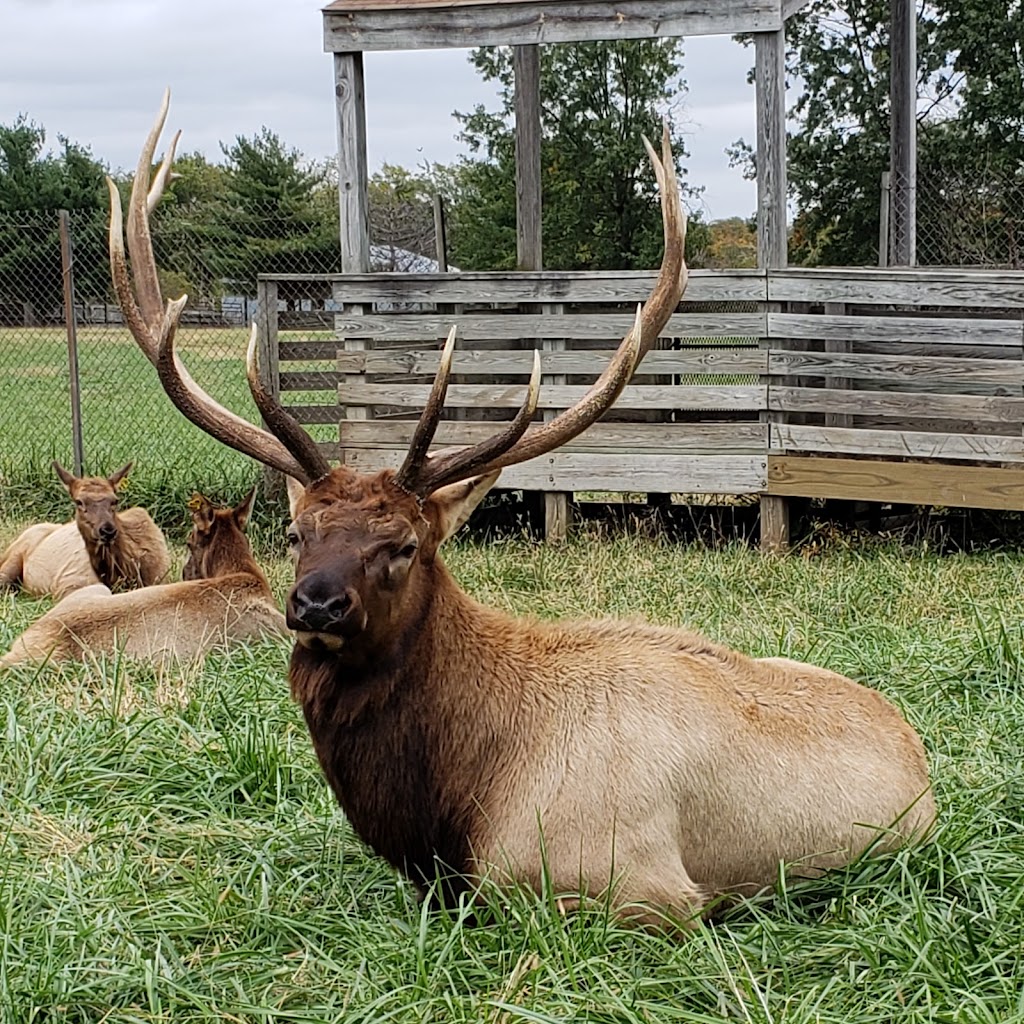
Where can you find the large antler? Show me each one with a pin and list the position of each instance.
(153, 327)
(422, 474)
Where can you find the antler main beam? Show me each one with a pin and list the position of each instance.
(153, 326)
(421, 474)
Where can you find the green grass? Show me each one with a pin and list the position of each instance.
(169, 851)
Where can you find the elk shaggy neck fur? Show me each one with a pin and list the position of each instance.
(651, 759)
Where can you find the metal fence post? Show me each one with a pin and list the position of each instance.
(67, 273)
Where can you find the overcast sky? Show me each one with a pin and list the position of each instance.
(94, 70)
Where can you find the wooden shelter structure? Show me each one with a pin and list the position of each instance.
(892, 385)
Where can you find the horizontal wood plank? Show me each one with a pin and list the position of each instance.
(556, 396)
(415, 27)
(896, 403)
(792, 437)
(921, 370)
(608, 438)
(692, 361)
(308, 351)
(571, 471)
(913, 483)
(904, 330)
(470, 327)
(542, 286)
(910, 287)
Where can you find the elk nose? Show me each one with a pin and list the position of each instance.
(108, 531)
(312, 609)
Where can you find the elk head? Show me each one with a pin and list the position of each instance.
(96, 501)
(216, 544)
(362, 542)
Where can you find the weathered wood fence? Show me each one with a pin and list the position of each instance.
(884, 385)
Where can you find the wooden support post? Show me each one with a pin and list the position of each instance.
(903, 132)
(67, 260)
(529, 237)
(353, 191)
(772, 235)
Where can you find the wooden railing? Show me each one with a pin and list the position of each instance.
(890, 385)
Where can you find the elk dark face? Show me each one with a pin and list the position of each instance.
(217, 543)
(360, 545)
(96, 503)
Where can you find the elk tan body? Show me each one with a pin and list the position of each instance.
(464, 742)
(48, 559)
(102, 544)
(225, 601)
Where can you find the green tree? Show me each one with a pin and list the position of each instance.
(269, 219)
(34, 185)
(970, 125)
(599, 194)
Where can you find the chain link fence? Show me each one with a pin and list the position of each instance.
(124, 414)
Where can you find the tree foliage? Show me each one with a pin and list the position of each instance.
(34, 185)
(970, 73)
(600, 207)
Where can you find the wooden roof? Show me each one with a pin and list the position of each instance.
(352, 25)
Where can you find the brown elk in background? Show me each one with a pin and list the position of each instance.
(224, 599)
(462, 741)
(120, 549)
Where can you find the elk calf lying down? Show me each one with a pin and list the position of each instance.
(224, 597)
(121, 550)
(459, 739)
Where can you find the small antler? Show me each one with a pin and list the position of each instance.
(153, 327)
(422, 475)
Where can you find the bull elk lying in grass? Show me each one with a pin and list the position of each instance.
(102, 544)
(223, 598)
(463, 741)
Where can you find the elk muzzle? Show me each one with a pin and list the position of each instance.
(318, 607)
(107, 533)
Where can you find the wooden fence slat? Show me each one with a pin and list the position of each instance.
(414, 396)
(581, 471)
(708, 361)
(895, 443)
(541, 286)
(434, 327)
(913, 483)
(902, 287)
(922, 370)
(897, 403)
(904, 330)
(295, 351)
(668, 438)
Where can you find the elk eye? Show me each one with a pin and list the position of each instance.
(79, 503)
(293, 538)
(408, 551)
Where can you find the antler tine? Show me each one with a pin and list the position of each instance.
(154, 327)
(449, 466)
(651, 318)
(140, 244)
(281, 422)
(210, 415)
(409, 472)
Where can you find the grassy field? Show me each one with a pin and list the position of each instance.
(169, 851)
(125, 416)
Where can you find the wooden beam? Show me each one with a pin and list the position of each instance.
(529, 242)
(772, 237)
(353, 180)
(903, 132)
(359, 27)
(910, 483)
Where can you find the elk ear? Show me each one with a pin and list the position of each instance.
(450, 507)
(115, 480)
(243, 509)
(295, 492)
(66, 478)
(202, 512)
